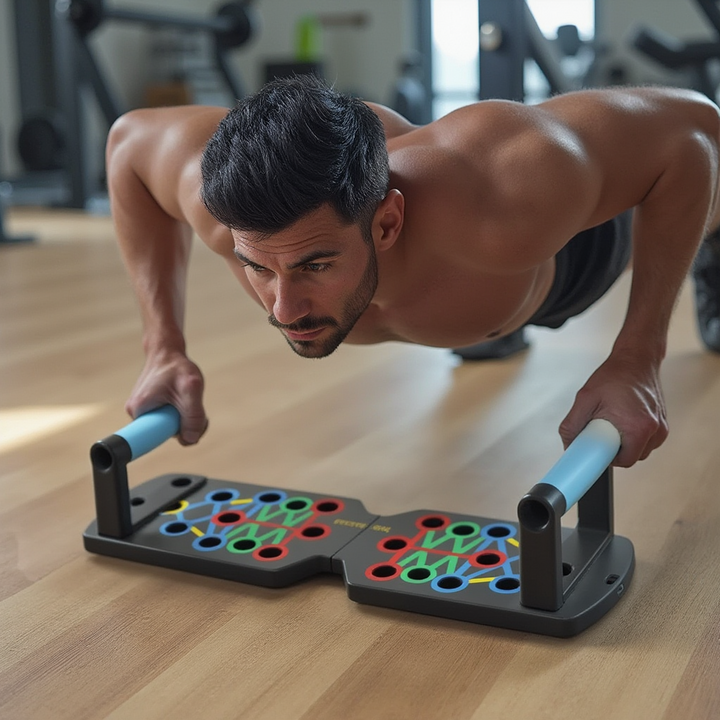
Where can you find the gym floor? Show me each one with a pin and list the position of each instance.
(399, 427)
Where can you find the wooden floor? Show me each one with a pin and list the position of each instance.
(399, 427)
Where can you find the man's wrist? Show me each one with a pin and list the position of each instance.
(166, 344)
(645, 348)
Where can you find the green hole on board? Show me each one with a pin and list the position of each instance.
(418, 574)
(298, 503)
(464, 529)
(244, 545)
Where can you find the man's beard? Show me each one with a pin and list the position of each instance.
(355, 306)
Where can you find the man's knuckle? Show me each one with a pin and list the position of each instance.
(190, 383)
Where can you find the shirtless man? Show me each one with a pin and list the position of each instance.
(493, 217)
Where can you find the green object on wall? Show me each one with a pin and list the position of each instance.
(307, 39)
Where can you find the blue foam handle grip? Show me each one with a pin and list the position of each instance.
(584, 460)
(150, 430)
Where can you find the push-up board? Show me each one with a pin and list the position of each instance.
(530, 575)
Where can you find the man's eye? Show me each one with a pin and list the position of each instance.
(253, 267)
(317, 267)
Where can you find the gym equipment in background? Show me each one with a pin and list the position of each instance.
(78, 70)
(58, 71)
(509, 35)
(694, 56)
(532, 575)
(6, 239)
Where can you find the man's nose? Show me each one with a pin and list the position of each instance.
(290, 303)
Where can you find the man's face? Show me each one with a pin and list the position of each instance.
(315, 279)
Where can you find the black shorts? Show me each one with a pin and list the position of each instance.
(585, 270)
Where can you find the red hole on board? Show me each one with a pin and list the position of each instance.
(393, 544)
(313, 532)
(269, 553)
(328, 505)
(432, 522)
(228, 517)
(381, 572)
(488, 559)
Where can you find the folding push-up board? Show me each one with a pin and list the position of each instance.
(531, 574)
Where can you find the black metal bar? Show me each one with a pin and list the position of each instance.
(233, 84)
(549, 566)
(218, 24)
(116, 515)
(595, 508)
(109, 105)
(509, 35)
(503, 49)
(110, 458)
(671, 52)
(594, 530)
(712, 12)
(4, 238)
(34, 55)
(68, 89)
(423, 26)
(541, 572)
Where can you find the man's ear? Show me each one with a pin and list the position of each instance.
(388, 220)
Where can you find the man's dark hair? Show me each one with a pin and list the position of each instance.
(294, 146)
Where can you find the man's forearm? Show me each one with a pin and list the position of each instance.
(667, 229)
(656, 285)
(159, 275)
(156, 250)
(653, 296)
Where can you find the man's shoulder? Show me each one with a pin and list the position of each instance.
(188, 124)
(394, 123)
(484, 137)
(161, 147)
(490, 150)
(475, 120)
(502, 184)
(485, 118)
